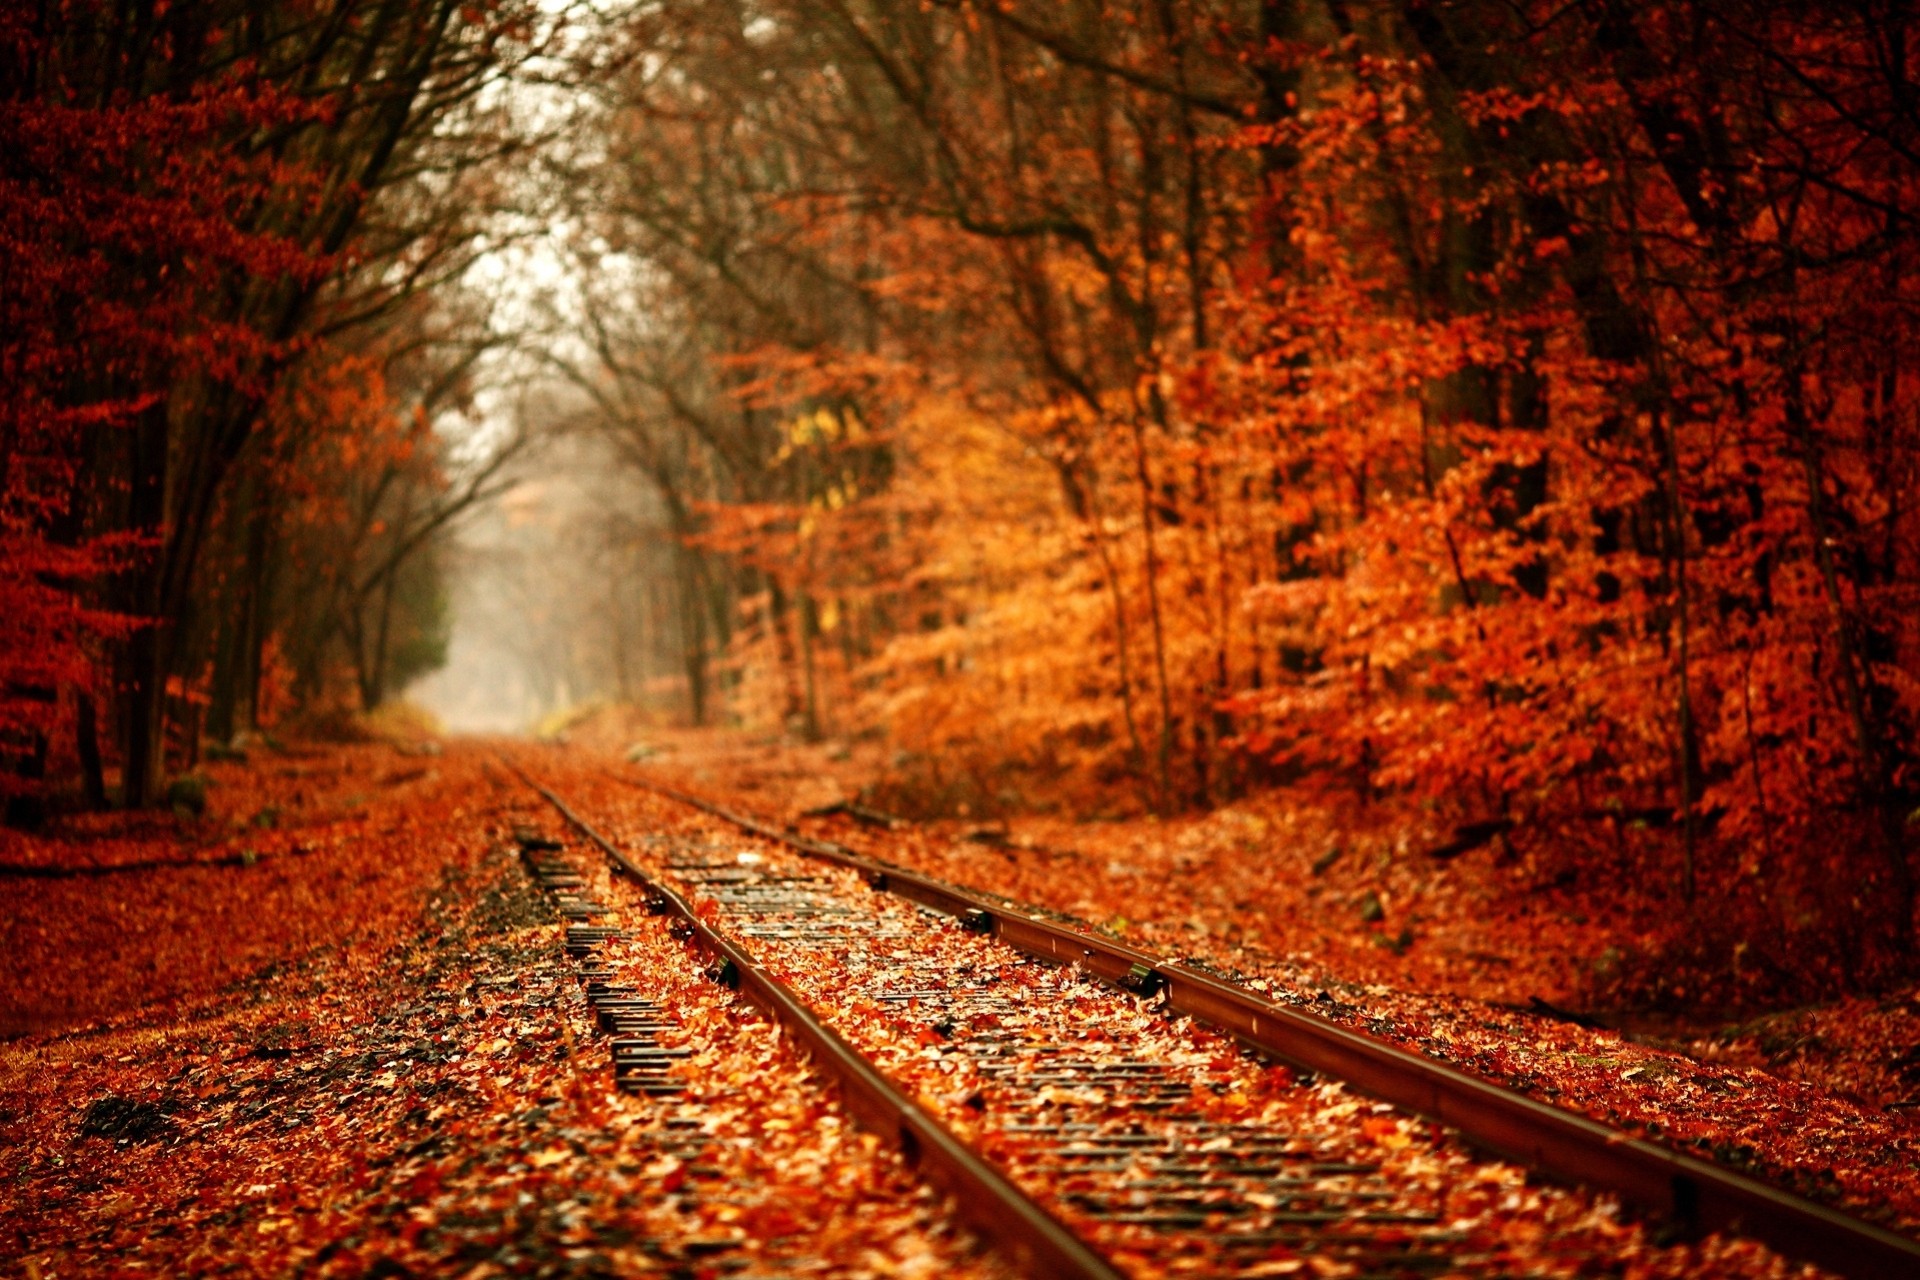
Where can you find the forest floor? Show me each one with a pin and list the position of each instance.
(1267, 887)
(328, 1029)
(323, 1025)
(1472, 960)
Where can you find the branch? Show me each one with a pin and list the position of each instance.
(1073, 55)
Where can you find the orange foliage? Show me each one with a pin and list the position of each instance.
(1504, 418)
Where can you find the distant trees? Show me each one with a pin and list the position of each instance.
(1503, 407)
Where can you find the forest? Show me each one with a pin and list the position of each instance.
(1054, 638)
(1480, 420)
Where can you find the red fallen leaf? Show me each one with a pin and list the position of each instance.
(1377, 1127)
(776, 1220)
(668, 1174)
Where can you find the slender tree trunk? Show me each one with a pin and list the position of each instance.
(1163, 752)
(223, 709)
(1222, 721)
(86, 729)
(777, 617)
(258, 630)
(1111, 575)
(238, 624)
(693, 633)
(377, 684)
(143, 770)
(1689, 761)
(28, 809)
(806, 619)
(144, 747)
(1874, 770)
(622, 677)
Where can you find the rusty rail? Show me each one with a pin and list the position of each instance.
(1032, 1239)
(1692, 1194)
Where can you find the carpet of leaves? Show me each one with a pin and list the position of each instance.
(1249, 894)
(166, 907)
(375, 1060)
(1508, 1224)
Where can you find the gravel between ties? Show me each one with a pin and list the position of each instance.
(752, 1167)
(1160, 1141)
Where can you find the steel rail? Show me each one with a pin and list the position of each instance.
(1032, 1239)
(1692, 1194)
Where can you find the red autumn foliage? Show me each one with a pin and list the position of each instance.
(1442, 472)
(105, 205)
(364, 1050)
(1493, 418)
(1820, 1099)
(182, 203)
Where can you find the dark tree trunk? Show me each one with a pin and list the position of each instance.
(86, 732)
(692, 612)
(143, 753)
(28, 809)
(236, 647)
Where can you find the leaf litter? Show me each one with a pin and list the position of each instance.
(880, 988)
(409, 1083)
(1810, 1100)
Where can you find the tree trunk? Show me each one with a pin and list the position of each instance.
(806, 618)
(236, 649)
(86, 732)
(1691, 775)
(374, 692)
(253, 650)
(143, 767)
(1163, 753)
(143, 753)
(693, 634)
(777, 617)
(28, 809)
(1875, 772)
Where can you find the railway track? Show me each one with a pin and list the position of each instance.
(1091, 1108)
(742, 1162)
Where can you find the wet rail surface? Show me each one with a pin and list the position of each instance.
(1082, 1091)
(1688, 1196)
(1129, 1126)
(733, 1130)
(1158, 1141)
(1024, 1234)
